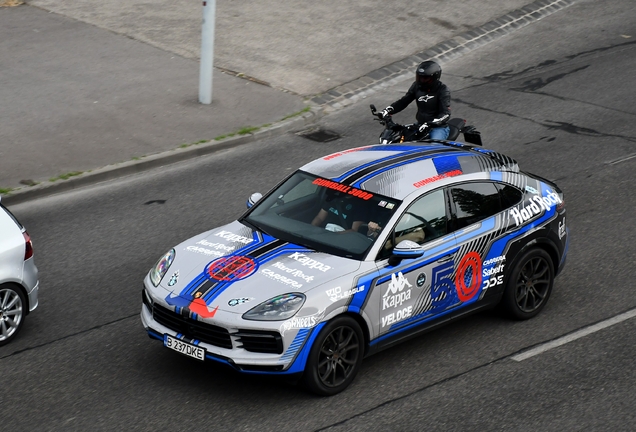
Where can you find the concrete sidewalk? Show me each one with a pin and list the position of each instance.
(90, 90)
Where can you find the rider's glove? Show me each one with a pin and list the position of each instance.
(387, 111)
(423, 127)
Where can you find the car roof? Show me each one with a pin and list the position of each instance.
(397, 170)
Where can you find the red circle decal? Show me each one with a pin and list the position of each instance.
(471, 260)
(231, 268)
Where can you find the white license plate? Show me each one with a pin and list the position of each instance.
(184, 347)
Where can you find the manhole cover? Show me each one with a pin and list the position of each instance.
(320, 135)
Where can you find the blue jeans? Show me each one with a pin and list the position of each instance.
(439, 133)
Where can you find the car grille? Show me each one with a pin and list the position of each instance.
(193, 329)
(269, 342)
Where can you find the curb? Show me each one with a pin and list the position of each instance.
(320, 105)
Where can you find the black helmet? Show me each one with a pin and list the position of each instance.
(427, 73)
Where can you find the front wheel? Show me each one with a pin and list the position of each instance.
(529, 285)
(12, 311)
(335, 357)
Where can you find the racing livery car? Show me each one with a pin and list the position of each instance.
(355, 252)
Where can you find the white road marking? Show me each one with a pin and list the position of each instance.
(574, 336)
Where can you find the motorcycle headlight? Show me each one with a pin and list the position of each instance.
(159, 270)
(278, 308)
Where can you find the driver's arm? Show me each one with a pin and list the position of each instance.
(320, 218)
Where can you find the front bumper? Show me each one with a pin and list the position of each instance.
(229, 343)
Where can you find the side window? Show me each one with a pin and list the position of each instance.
(473, 202)
(510, 195)
(423, 221)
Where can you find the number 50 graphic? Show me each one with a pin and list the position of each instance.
(467, 281)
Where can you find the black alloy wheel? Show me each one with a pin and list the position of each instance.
(529, 285)
(335, 357)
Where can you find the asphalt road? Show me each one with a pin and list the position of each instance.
(556, 96)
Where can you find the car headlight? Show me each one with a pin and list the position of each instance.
(159, 270)
(277, 308)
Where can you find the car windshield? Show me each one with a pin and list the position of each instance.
(323, 215)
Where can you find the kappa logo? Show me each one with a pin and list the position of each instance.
(425, 98)
(308, 262)
(234, 237)
(398, 283)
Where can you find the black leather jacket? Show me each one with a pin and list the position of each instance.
(433, 104)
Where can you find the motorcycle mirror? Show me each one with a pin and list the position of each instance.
(373, 108)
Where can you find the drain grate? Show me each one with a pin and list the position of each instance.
(319, 135)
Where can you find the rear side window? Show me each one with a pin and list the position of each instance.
(510, 195)
(473, 202)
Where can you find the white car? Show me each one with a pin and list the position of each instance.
(18, 276)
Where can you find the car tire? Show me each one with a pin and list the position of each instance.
(12, 312)
(529, 285)
(335, 357)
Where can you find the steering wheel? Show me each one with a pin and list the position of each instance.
(364, 230)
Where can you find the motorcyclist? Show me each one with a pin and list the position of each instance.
(433, 101)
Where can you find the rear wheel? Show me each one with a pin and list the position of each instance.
(529, 285)
(12, 311)
(335, 357)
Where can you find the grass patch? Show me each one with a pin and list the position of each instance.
(4, 191)
(66, 176)
(247, 130)
(296, 114)
(186, 145)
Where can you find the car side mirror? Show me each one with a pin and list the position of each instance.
(406, 249)
(253, 199)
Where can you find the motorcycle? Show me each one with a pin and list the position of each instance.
(397, 133)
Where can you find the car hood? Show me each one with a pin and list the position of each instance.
(235, 268)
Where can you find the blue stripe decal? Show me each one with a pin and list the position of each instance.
(154, 334)
(445, 164)
(421, 318)
(295, 345)
(358, 299)
(379, 161)
(285, 249)
(300, 362)
(359, 182)
(486, 225)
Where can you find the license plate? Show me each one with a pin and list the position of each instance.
(184, 347)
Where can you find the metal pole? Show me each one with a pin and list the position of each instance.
(207, 51)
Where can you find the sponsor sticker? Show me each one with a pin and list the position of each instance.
(301, 322)
(536, 206)
(426, 181)
(238, 301)
(280, 278)
(562, 229)
(337, 293)
(174, 278)
(397, 293)
(231, 268)
(227, 235)
(304, 260)
(204, 251)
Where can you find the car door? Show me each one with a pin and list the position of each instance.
(416, 290)
(476, 219)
